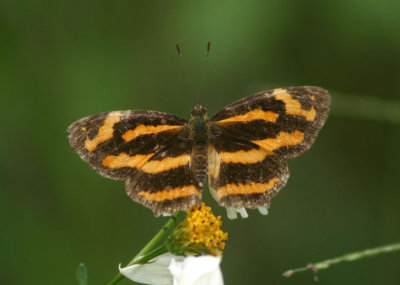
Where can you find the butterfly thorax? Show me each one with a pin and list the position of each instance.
(200, 131)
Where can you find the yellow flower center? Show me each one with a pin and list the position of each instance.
(199, 232)
(204, 228)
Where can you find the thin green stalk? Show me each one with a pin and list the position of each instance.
(347, 257)
(150, 245)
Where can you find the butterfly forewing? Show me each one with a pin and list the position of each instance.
(285, 121)
(118, 143)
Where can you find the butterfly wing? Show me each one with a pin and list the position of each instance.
(285, 121)
(243, 174)
(134, 146)
(116, 144)
(165, 183)
(251, 138)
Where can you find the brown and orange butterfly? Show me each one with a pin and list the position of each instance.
(165, 160)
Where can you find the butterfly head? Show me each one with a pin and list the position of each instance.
(199, 111)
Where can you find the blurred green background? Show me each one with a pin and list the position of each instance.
(63, 60)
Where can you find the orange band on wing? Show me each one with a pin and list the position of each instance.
(243, 156)
(245, 189)
(172, 194)
(256, 114)
(105, 132)
(293, 107)
(146, 130)
(157, 166)
(125, 160)
(283, 139)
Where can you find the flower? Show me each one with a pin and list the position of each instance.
(168, 269)
(199, 233)
(199, 238)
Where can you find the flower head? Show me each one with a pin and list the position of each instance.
(199, 233)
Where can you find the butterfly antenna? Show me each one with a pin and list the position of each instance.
(186, 73)
(203, 77)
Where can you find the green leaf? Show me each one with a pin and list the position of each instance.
(81, 274)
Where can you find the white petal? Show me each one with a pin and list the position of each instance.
(175, 269)
(232, 212)
(155, 272)
(263, 210)
(243, 213)
(201, 270)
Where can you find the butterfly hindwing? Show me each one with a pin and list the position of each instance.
(165, 183)
(242, 174)
(285, 121)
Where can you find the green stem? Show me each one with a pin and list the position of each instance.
(150, 245)
(347, 257)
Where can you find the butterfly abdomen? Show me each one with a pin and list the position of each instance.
(200, 163)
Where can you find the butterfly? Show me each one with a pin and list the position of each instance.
(242, 149)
